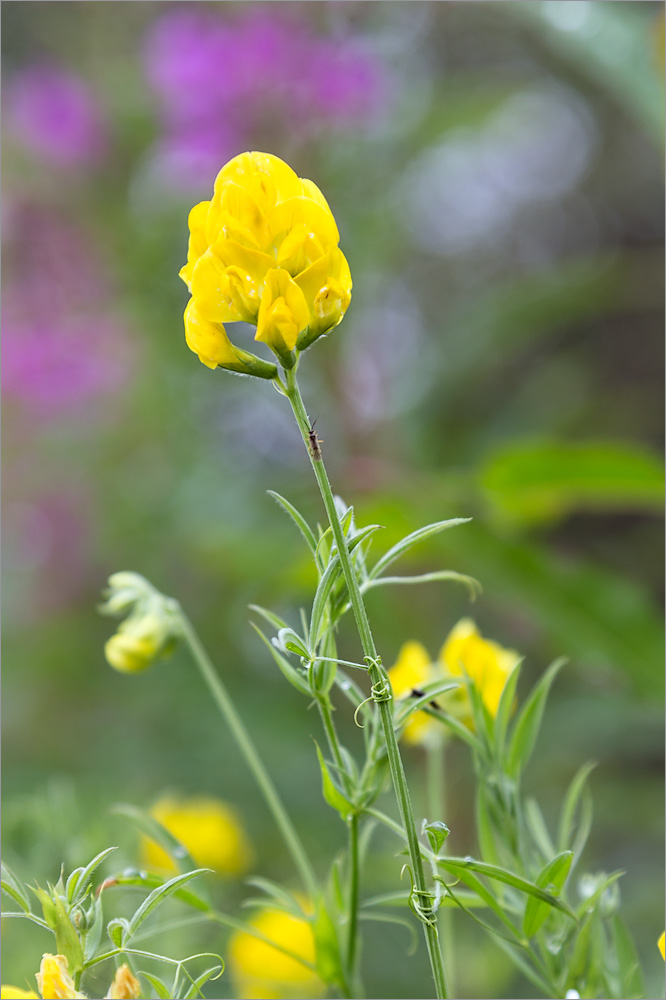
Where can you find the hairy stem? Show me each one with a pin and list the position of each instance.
(380, 686)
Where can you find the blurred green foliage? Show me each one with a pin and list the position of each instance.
(501, 359)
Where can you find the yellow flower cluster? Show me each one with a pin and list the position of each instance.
(262, 972)
(208, 828)
(55, 983)
(464, 654)
(265, 251)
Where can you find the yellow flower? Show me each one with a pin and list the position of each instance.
(661, 944)
(151, 628)
(54, 981)
(264, 251)
(207, 827)
(260, 971)
(485, 663)
(464, 654)
(125, 986)
(411, 671)
(14, 993)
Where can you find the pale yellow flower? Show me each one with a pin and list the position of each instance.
(14, 993)
(264, 251)
(261, 971)
(209, 829)
(661, 944)
(125, 985)
(54, 981)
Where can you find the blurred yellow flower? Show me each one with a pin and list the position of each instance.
(14, 993)
(125, 985)
(661, 944)
(207, 827)
(261, 972)
(413, 669)
(486, 663)
(54, 981)
(464, 654)
(264, 251)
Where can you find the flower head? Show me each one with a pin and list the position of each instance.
(54, 981)
(209, 829)
(661, 944)
(125, 986)
(264, 250)
(262, 971)
(14, 993)
(484, 663)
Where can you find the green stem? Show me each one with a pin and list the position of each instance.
(252, 758)
(353, 899)
(378, 680)
(436, 785)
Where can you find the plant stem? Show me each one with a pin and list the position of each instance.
(378, 680)
(252, 759)
(436, 784)
(352, 938)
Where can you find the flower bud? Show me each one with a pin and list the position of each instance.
(151, 628)
(125, 986)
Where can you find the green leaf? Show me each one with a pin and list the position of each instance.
(526, 728)
(322, 594)
(484, 894)
(537, 482)
(504, 709)
(93, 935)
(331, 793)
(570, 806)
(117, 929)
(12, 886)
(437, 833)
(68, 942)
(456, 726)
(538, 828)
(291, 642)
(629, 966)
(298, 519)
(270, 616)
(156, 898)
(412, 539)
(473, 586)
(407, 708)
(150, 881)
(327, 948)
(402, 899)
(460, 865)
(77, 883)
(552, 877)
(292, 675)
(160, 987)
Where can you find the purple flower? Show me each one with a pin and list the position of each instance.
(54, 114)
(63, 348)
(222, 83)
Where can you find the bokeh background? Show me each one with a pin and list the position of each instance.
(496, 172)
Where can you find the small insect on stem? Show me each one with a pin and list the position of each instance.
(313, 444)
(418, 693)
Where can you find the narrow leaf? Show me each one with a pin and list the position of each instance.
(162, 990)
(460, 865)
(412, 539)
(12, 886)
(153, 829)
(157, 897)
(504, 710)
(270, 616)
(298, 519)
(292, 675)
(76, 887)
(473, 586)
(331, 793)
(552, 877)
(570, 805)
(526, 728)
